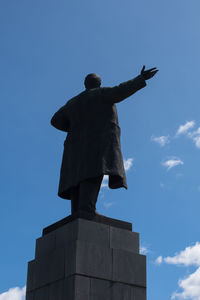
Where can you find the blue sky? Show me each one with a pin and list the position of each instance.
(47, 48)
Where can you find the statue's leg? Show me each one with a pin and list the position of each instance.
(75, 199)
(88, 194)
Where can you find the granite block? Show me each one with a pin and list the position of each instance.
(138, 293)
(93, 232)
(30, 285)
(42, 293)
(30, 295)
(121, 292)
(50, 268)
(87, 260)
(84, 215)
(129, 268)
(45, 244)
(70, 260)
(83, 230)
(77, 288)
(100, 289)
(81, 296)
(56, 290)
(69, 288)
(124, 239)
(82, 284)
(66, 234)
(93, 260)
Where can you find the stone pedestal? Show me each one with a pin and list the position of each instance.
(81, 259)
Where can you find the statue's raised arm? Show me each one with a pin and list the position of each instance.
(128, 88)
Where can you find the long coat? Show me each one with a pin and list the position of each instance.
(92, 147)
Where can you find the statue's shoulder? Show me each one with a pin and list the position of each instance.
(73, 100)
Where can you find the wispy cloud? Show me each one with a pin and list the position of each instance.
(144, 250)
(15, 293)
(159, 260)
(183, 129)
(186, 129)
(190, 256)
(189, 285)
(195, 136)
(172, 162)
(128, 163)
(197, 141)
(161, 140)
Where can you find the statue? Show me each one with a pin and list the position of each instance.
(92, 148)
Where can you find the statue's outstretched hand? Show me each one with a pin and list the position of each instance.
(148, 73)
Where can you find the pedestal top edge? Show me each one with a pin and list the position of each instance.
(83, 215)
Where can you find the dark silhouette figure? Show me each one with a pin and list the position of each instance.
(92, 147)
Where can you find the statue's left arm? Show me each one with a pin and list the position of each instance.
(60, 119)
(126, 89)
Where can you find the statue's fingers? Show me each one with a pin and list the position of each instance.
(143, 69)
(153, 73)
(151, 69)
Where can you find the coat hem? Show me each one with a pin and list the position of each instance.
(115, 182)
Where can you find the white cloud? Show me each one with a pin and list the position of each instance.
(195, 136)
(194, 133)
(159, 260)
(128, 163)
(144, 250)
(183, 129)
(188, 257)
(161, 140)
(15, 293)
(197, 141)
(172, 162)
(197, 131)
(190, 285)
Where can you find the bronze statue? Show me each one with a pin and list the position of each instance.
(92, 147)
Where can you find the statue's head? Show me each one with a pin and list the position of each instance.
(92, 81)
